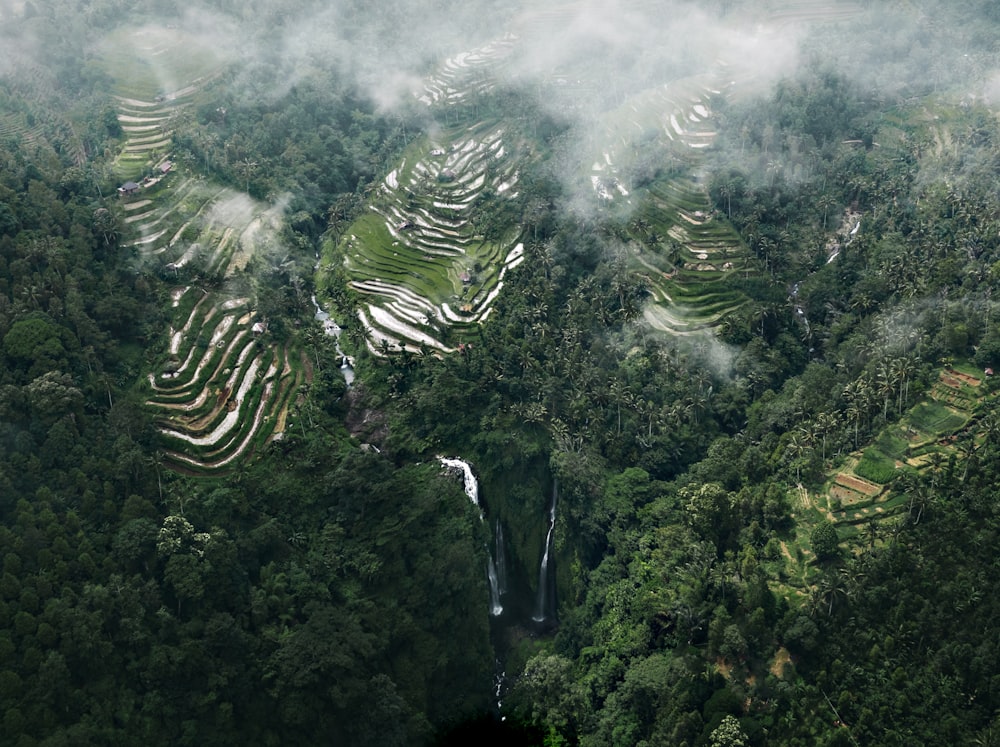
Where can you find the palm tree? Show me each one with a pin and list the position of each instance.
(853, 396)
(989, 427)
(106, 223)
(871, 532)
(726, 190)
(247, 168)
(828, 590)
(796, 448)
(649, 411)
(885, 386)
(826, 202)
(620, 395)
(919, 497)
(967, 450)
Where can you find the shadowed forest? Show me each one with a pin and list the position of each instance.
(574, 374)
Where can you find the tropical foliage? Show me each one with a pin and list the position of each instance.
(755, 399)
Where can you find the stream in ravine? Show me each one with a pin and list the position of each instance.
(332, 329)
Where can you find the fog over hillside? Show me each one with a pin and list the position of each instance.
(579, 59)
(583, 60)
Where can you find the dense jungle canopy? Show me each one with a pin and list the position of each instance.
(695, 298)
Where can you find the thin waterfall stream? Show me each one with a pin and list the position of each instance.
(493, 572)
(543, 608)
(332, 329)
(500, 553)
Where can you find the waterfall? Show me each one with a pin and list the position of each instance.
(493, 575)
(470, 482)
(332, 329)
(500, 553)
(545, 581)
(496, 606)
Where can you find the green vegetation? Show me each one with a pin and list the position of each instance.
(736, 341)
(423, 258)
(876, 466)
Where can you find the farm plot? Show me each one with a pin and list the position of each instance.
(418, 258)
(158, 73)
(193, 227)
(688, 255)
(926, 435)
(222, 388)
(219, 392)
(465, 74)
(685, 251)
(813, 11)
(678, 113)
(957, 390)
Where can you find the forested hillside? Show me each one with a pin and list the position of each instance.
(598, 375)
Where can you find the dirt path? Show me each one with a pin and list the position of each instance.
(807, 502)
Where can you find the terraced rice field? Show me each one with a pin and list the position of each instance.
(813, 11)
(863, 511)
(220, 392)
(693, 254)
(678, 112)
(415, 256)
(185, 223)
(36, 125)
(158, 72)
(465, 74)
(925, 433)
(419, 260)
(426, 275)
(686, 251)
(424, 271)
(222, 388)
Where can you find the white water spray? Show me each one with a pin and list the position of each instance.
(471, 484)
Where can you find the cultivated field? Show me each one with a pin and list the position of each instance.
(221, 388)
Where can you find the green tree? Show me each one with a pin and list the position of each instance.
(549, 693)
(824, 540)
(34, 340)
(728, 734)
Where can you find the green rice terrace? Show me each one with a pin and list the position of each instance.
(158, 72)
(420, 263)
(683, 249)
(423, 269)
(687, 253)
(426, 274)
(419, 258)
(860, 497)
(221, 388)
